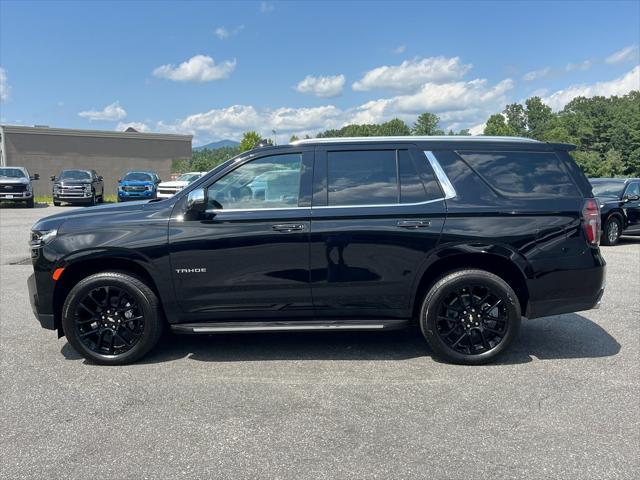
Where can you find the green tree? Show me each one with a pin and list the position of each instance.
(427, 124)
(538, 116)
(496, 125)
(294, 138)
(612, 166)
(249, 141)
(395, 127)
(516, 118)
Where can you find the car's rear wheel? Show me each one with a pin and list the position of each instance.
(470, 316)
(612, 231)
(112, 318)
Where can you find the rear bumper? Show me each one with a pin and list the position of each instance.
(567, 291)
(46, 319)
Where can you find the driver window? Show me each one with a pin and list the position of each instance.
(268, 182)
(634, 189)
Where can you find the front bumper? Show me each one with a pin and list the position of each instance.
(16, 196)
(144, 195)
(46, 320)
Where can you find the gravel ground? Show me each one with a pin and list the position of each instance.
(564, 403)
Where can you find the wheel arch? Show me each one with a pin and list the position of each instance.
(508, 265)
(82, 268)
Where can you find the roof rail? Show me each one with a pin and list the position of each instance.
(410, 138)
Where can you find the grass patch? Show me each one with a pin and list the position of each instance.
(49, 200)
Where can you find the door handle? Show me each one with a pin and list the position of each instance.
(287, 227)
(413, 223)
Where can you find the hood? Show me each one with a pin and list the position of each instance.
(55, 221)
(175, 183)
(14, 181)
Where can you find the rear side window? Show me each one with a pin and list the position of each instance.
(378, 177)
(531, 174)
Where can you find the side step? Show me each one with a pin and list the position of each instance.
(288, 326)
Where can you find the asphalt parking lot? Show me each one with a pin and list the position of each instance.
(563, 403)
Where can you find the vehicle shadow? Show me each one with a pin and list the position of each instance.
(629, 240)
(22, 205)
(560, 337)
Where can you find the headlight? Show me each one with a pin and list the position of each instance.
(29, 187)
(149, 187)
(40, 237)
(87, 188)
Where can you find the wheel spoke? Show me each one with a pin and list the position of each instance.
(459, 339)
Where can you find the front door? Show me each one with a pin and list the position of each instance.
(248, 256)
(632, 207)
(377, 214)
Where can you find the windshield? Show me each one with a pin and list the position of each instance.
(137, 177)
(607, 189)
(188, 177)
(75, 175)
(12, 173)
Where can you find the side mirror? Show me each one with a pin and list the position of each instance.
(631, 198)
(196, 202)
(53, 178)
(35, 176)
(119, 180)
(100, 178)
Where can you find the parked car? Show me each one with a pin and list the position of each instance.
(15, 185)
(138, 186)
(460, 235)
(169, 189)
(78, 186)
(619, 200)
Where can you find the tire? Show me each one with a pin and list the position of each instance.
(475, 327)
(56, 204)
(101, 198)
(92, 202)
(131, 329)
(611, 231)
(31, 203)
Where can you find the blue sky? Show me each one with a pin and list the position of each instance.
(216, 69)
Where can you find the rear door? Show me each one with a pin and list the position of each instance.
(377, 213)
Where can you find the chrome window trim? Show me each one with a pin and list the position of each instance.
(445, 183)
(434, 200)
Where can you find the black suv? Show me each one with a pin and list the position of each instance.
(619, 201)
(78, 186)
(461, 236)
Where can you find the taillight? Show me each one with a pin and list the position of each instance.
(591, 221)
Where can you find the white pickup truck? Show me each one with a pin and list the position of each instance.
(168, 189)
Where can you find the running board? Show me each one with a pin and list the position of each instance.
(291, 326)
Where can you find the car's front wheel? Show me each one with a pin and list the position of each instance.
(470, 316)
(612, 231)
(112, 318)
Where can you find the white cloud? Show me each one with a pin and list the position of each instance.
(619, 86)
(455, 101)
(330, 86)
(110, 113)
(412, 74)
(399, 49)
(5, 89)
(266, 7)
(199, 68)
(582, 66)
(139, 126)
(223, 33)
(536, 74)
(629, 53)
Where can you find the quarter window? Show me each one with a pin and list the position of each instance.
(527, 174)
(268, 182)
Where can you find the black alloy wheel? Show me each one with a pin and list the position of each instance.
(108, 320)
(470, 316)
(112, 318)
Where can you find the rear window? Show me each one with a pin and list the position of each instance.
(529, 174)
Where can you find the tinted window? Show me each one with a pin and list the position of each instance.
(75, 175)
(634, 189)
(268, 182)
(522, 173)
(367, 177)
(138, 177)
(607, 189)
(12, 173)
(411, 187)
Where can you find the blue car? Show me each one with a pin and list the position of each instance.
(138, 186)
